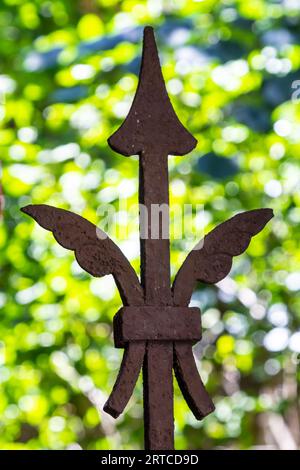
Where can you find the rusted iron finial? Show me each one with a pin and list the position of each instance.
(151, 125)
(155, 327)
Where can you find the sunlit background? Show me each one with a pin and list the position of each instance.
(68, 73)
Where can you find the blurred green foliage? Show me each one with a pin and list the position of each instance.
(68, 73)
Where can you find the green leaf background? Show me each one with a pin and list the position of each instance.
(68, 73)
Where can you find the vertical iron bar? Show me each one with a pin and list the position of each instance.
(155, 279)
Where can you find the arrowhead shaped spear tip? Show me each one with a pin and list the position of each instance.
(151, 125)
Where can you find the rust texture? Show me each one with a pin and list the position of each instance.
(172, 323)
(210, 261)
(155, 326)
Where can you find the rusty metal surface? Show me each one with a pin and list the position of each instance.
(189, 381)
(128, 374)
(152, 327)
(210, 261)
(95, 252)
(151, 125)
(157, 324)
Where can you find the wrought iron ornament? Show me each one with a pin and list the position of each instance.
(155, 326)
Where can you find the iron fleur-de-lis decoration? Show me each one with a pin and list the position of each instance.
(155, 326)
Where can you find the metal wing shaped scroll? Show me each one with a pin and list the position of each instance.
(95, 252)
(211, 259)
